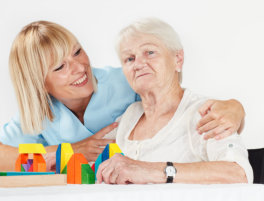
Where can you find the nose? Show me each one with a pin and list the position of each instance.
(76, 66)
(140, 62)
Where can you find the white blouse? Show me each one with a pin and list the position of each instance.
(179, 141)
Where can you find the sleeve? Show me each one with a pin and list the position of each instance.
(230, 149)
(11, 134)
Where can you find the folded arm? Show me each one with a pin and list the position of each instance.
(123, 170)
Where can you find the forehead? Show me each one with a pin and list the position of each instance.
(139, 40)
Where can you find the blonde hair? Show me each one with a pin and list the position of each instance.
(38, 46)
(155, 27)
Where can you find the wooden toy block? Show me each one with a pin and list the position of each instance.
(39, 164)
(66, 154)
(23, 168)
(79, 160)
(71, 170)
(33, 180)
(93, 167)
(113, 149)
(31, 168)
(31, 148)
(58, 159)
(88, 176)
(22, 159)
(105, 154)
(74, 170)
(97, 163)
(64, 171)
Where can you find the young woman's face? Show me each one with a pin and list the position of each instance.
(72, 79)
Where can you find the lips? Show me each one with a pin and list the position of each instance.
(81, 81)
(141, 75)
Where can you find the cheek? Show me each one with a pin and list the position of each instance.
(128, 73)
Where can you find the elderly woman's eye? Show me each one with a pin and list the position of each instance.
(129, 59)
(78, 52)
(150, 52)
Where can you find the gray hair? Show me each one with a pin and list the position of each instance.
(155, 27)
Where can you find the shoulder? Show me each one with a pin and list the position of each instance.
(132, 112)
(193, 101)
(107, 73)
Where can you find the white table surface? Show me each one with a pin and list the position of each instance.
(166, 192)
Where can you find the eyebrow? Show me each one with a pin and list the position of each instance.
(145, 44)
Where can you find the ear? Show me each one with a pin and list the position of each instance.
(179, 58)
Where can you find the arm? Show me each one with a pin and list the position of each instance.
(123, 170)
(221, 118)
(11, 136)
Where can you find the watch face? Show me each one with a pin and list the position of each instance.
(170, 171)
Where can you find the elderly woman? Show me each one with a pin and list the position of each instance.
(158, 135)
(62, 99)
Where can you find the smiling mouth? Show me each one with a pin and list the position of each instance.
(80, 82)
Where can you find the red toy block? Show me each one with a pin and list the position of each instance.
(93, 167)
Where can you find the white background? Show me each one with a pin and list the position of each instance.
(223, 42)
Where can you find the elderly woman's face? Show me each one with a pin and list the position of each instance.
(72, 79)
(147, 62)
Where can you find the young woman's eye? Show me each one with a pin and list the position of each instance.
(78, 52)
(59, 68)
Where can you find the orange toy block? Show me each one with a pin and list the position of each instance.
(22, 159)
(79, 160)
(74, 168)
(39, 164)
(71, 170)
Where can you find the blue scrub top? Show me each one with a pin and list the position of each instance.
(110, 101)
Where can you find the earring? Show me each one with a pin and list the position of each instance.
(178, 70)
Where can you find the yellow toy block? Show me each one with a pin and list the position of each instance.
(113, 149)
(31, 149)
(66, 154)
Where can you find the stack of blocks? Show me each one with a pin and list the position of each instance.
(74, 165)
(110, 150)
(37, 164)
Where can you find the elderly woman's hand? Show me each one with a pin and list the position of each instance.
(123, 170)
(221, 118)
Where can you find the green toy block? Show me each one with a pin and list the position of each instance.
(22, 169)
(64, 171)
(88, 176)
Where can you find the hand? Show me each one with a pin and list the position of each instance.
(92, 146)
(50, 159)
(123, 170)
(220, 118)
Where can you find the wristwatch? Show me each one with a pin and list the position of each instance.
(170, 172)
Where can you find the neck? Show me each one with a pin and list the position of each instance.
(159, 102)
(78, 107)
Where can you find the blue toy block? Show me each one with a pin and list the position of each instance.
(58, 159)
(105, 154)
(97, 163)
(24, 173)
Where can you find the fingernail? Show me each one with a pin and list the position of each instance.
(217, 137)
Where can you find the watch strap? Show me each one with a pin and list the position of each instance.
(169, 178)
